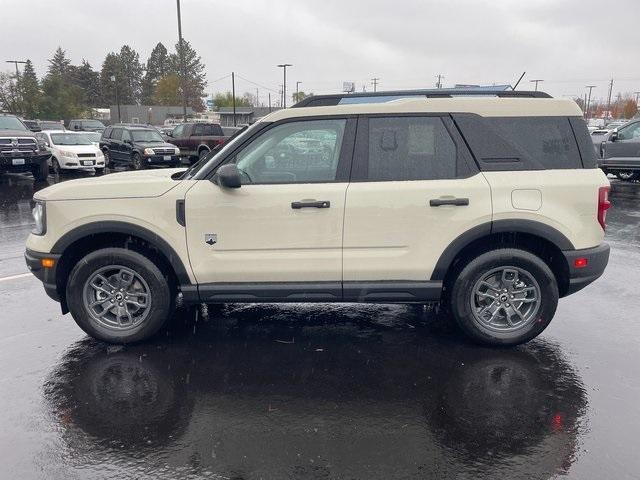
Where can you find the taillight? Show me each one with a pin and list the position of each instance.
(603, 205)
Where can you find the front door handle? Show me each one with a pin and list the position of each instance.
(310, 204)
(458, 202)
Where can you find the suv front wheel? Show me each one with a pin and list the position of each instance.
(119, 296)
(504, 297)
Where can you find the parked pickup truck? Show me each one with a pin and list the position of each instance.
(196, 140)
(20, 151)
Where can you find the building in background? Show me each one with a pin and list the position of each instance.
(244, 115)
(152, 114)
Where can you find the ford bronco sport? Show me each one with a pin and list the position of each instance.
(492, 205)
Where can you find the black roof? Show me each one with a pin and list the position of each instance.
(378, 97)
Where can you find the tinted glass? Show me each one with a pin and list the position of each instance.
(410, 148)
(629, 132)
(126, 135)
(11, 123)
(297, 152)
(549, 140)
(107, 132)
(146, 136)
(116, 134)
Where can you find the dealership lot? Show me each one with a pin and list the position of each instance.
(328, 391)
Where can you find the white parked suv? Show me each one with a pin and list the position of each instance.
(71, 151)
(492, 205)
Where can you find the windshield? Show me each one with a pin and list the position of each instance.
(69, 139)
(92, 124)
(92, 136)
(146, 136)
(230, 144)
(51, 126)
(11, 123)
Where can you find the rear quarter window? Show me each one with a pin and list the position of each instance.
(548, 140)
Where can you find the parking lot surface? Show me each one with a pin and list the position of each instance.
(320, 391)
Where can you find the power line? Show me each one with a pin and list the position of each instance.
(257, 84)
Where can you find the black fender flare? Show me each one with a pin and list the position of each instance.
(531, 227)
(129, 229)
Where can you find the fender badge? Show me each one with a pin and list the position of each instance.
(210, 238)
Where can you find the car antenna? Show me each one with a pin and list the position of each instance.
(514, 87)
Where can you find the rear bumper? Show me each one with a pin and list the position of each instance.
(597, 259)
(624, 163)
(46, 275)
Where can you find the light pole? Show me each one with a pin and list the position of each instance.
(297, 90)
(181, 58)
(18, 95)
(375, 81)
(115, 84)
(537, 81)
(284, 82)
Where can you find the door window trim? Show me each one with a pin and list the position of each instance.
(360, 164)
(343, 170)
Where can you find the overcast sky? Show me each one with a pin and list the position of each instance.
(406, 43)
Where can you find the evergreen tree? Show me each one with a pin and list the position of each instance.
(167, 91)
(131, 71)
(110, 69)
(195, 78)
(88, 80)
(59, 64)
(30, 91)
(158, 66)
(61, 97)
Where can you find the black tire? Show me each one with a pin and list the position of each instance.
(136, 162)
(107, 159)
(627, 175)
(462, 296)
(55, 166)
(99, 171)
(162, 298)
(41, 172)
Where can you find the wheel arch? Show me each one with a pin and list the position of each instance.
(203, 146)
(92, 236)
(534, 237)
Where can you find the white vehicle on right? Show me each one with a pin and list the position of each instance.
(71, 151)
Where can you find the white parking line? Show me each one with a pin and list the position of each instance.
(15, 277)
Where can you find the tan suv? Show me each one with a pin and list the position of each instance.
(492, 205)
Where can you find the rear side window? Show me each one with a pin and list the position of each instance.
(410, 148)
(548, 140)
(107, 132)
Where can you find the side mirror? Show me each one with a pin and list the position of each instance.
(76, 127)
(614, 136)
(228, 176)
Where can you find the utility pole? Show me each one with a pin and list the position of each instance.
(297, 90)
(536, 81)
(440, 77)
(181, 58)
(375, 81)
(269, 102)
(233, 96)
(18, 95)
(590, 87)
(609, 98)
(257, 98)
(284, 82)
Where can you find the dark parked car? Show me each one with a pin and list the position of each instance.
(138, 146)
(32, 125)
(620, 152)
(86, 125)
(51, 125)
(196, 140)
(20, 151)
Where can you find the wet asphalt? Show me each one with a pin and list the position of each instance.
(320, 391)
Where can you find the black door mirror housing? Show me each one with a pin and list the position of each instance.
(614, 136)
(228, 176)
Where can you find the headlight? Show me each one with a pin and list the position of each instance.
(66, 153)
(41, 145)
(149, 151)
(99, 154)
(177, 151)
(39, 213)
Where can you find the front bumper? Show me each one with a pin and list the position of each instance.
(597, 259)
(46, 275)
(71, 163)
(161, 160)
(30, 161)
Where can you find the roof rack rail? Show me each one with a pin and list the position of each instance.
(380, 97)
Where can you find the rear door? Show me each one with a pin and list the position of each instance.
(414, 189)
(115, 145)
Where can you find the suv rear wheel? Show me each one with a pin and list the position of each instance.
(119, 296)
(504, 297)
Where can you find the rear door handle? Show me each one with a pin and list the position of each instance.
(458, 202)
(310, 204)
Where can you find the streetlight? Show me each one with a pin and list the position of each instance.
(284, 82)
(16, 62)
(181, 58)
(590, 87)
(115, 84)
(297, 91)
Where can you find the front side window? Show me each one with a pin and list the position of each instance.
(151, 136)
(296, 152)
(116, 134)
(126, 136)
(630, 132)
(177, 132)
(410, 148)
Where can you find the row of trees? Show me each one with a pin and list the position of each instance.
(68, 90)
(623, 105)
(247, 99)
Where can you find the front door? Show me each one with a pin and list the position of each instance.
(279, 234)
(626, 148)
(413, 191)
